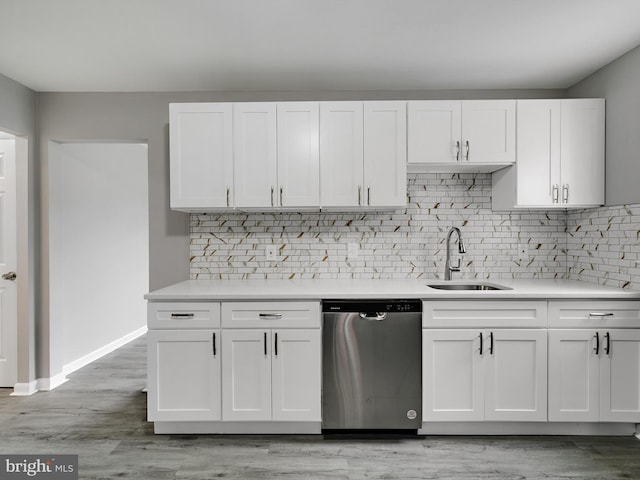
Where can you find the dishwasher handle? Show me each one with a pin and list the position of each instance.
(377, 316)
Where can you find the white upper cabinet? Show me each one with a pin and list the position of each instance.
(201, 153)
(298, 125)
(341, 153)
(385, 154)
(560, 156)
(469, 135)
(255, 159)
(363, 154)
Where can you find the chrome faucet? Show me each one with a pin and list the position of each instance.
(448, 268)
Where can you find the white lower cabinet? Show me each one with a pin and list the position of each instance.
(271, 375)
(477, 375)
(594, 375)
(183, 375)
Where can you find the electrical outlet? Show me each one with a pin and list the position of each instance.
(270, 251)
(523, 252)
(352, 250)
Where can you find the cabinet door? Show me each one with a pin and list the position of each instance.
(573, 376)
(341, 154)
(184, 375)
(538, 152)
(296, 377)
(489, 131)
(582, 151)
(201, 155)
(385, 154)
(516, 375)
(298, 154)
(620, 376)
(246, 375)
(452, 376)
(254, 142)
(433, 131)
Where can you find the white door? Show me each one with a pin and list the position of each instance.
(385, 154)
(341, 154)
(433, 131)
(573, 376)
(582, 151)
(8, 290)
(489, 131)
(254, 153)
(452, 376)
(246, 375)
(201, 155)
(538, 152)
(516, 375)
(184, 375)
(298, 154)
(620, 376)
(296, 366)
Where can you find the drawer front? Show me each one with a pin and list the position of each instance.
(594, 314)
(183, 315)
(484, 314)
(271, 315)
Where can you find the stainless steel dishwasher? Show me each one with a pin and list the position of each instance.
(372, 365)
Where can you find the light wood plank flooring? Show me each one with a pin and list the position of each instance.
(100, 414)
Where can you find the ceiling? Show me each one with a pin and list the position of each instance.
(310, 45)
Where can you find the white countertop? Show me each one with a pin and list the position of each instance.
(198, 290)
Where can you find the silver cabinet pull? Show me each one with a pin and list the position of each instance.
(458, 151)
(272, 190)
(11, 276)
(565, 193)
(601, 314)
(183, 315)
(468, 147)
(228, 191)
(270, 316)
(281, 190)
(368, 195)
(360, 195)
(555, 194)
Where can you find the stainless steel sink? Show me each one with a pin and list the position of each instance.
(467, 286)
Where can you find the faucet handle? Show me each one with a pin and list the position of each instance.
(455, 268)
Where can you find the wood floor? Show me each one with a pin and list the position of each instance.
(100, 414)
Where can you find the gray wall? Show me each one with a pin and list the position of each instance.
(18, 116)
(619, 83)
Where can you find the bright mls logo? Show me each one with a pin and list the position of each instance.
(53, 467)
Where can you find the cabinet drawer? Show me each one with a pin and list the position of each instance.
(594, 314)
(484, 314)
(271, 315)
(176, 315)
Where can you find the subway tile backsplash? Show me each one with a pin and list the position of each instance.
(600, 245)
(603, 246)
(409, 243)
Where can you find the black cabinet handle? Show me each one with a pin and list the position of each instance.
(491, 343)
(607, 346)
(265, 343)
(480, 343)
(276, 345)
(597, 349)
(214, 344)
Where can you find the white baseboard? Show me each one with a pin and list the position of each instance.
(24, 389)
(102, 351)
(527, 428)
(302, 428)
(47, 384)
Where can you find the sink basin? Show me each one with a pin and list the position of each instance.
(467, 286)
